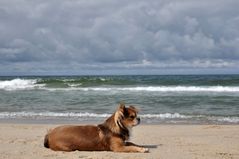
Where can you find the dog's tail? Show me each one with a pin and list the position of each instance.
(46, 141)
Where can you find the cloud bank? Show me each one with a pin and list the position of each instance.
(80, 37)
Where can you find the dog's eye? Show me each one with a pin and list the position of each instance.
(131, 117)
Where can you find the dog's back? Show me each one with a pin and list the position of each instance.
(70, 138)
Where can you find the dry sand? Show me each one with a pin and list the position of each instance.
(165, 142)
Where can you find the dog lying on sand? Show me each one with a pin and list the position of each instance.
(112, 135)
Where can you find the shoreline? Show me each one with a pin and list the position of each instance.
(164, 141)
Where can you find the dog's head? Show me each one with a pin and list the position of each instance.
(122, 121)
(126, 117)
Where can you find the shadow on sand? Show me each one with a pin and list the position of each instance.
(151, 146)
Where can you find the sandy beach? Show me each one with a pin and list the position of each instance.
(164, 141)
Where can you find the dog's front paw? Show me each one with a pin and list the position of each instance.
(144, 150)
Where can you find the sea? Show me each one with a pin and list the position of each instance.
(161, 99)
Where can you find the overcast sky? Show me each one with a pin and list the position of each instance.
(54, 37)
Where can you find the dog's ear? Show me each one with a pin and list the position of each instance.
(119, 114)
(133, 108)
(121, 107)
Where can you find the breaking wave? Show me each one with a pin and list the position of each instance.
(50, 114)
(30, 84)
(150, 118)
(19, 84)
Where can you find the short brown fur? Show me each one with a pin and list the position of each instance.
(112, 135)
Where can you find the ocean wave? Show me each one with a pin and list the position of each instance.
(151, 89)
(50, 114)
(165, 116)
(29, 84)
(20, 84)
(229, 119)
(85, 115)
(149, 117)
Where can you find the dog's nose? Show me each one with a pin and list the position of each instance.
(138, 120)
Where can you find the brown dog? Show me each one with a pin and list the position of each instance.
(109, 136)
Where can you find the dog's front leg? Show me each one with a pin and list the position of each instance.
(123, 148)
(133, 144)
(120, 146)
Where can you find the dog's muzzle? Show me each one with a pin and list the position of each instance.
(138, 119)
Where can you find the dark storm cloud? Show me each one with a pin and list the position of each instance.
(61, 35)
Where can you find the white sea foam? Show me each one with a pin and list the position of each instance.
(74, 85)
(19, 84)
(229, 119)
(165, 116)
(151, 89)
(102, 79)
(50, 114)
(22, 84)
(149, 117)
(184, 89)
(84, 114)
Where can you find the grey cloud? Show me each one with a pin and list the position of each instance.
(71, 35)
